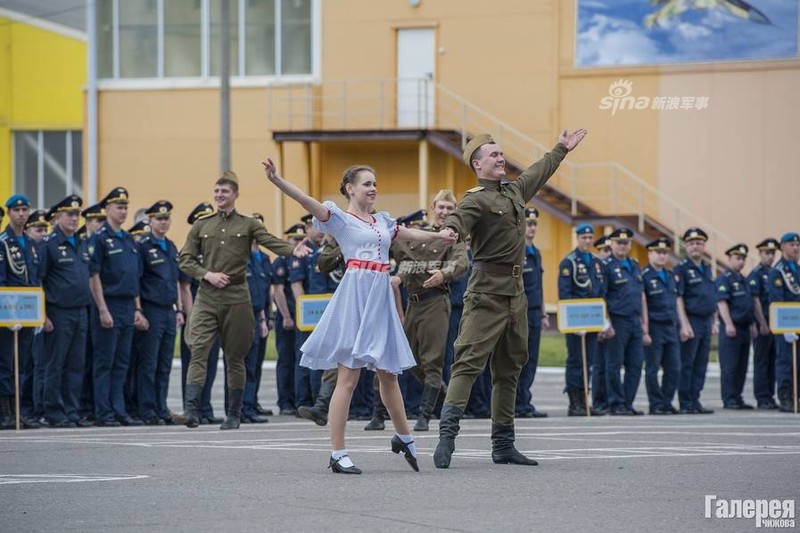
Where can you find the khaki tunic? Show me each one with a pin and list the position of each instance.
(428, 311)
(495, 308)
(223, 242)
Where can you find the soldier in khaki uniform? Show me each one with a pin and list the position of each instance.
(426, 271)
(495, 309)
(223, 301)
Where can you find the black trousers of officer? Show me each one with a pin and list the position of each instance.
(66, 350)
(764, 354)
(734, 355)
(663, 353)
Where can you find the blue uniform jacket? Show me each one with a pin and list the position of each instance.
(733, 288)
(532, 277)
(64, 270)
(280, 278)
(115, 257)
(19, 260)
(696, 287)
(160, 272)
(784, 282)
(580, 276)
(661, 294)
(258, 281)
(305, 269)
(623, 288)
(758, 280)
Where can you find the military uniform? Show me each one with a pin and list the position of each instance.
(19, 267)
(784, 286)
(696, 287)
(36, 229)
(580, 276)
(663, 353)
(764, 351)
(114, 259)
(623, 293)
(495, 318)
(734, 352)
(224, 241)
(532, 282)
(428, 310)
(65, 277)
(285, 339)
(159, 297)
(599, 393)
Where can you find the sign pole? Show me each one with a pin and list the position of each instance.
(16, 378)
(794, 375)
(585, 376)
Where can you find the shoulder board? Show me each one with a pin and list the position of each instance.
(205, 216)
(646, 270)
(50, 236)
(685, 262)
(572, 256)
(476, 189)
(146, 239)
(101, 229)
(607, 260)
(3, 236)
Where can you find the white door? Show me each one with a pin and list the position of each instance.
(416, 58)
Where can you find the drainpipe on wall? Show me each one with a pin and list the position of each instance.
(91, 105)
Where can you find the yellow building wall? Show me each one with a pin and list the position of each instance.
(42, 75)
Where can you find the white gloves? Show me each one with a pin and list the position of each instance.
(606, 325)
(791, 338)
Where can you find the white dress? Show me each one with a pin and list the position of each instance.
(360, 327)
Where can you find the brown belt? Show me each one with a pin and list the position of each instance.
(237, 280)
(425, 295)
(496, 268)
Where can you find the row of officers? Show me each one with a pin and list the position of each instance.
(116, 300)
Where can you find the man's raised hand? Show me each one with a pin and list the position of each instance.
(571, 140)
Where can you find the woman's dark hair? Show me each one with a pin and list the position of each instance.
(350, 175)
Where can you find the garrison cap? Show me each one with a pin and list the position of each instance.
(18, 200)
(790, 237)
(296, 231)
(159, 209)
(94, 211)
(621, 234)
(417, 217)
(695, 234)
(601, 243)
(140, 228)
(584, 229)
(662, 243)
(72, 203)
(37, 218)
(768, 244)
(737, 249)
(229, 175)
(473, 145)
(118, 195)
(203, 209)
(531, 213)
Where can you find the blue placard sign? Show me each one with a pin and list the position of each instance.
(784, 317)
(587, 315)
(309, 310)
(21, 305)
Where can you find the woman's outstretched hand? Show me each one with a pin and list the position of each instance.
(271, 171)
(448, 236)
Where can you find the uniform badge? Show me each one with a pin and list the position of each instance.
(778, 282)
(565, 272)
(722, 288)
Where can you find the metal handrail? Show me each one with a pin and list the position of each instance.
(372, 103)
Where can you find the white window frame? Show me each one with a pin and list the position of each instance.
(205, 80)
(40, 157)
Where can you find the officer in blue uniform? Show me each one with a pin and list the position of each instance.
(36, 229)
(94, 217)
(19, 267)
(115, 271)
(258, 282)
(532, 283)
(664, 352)
(164, 312)
(262, 349)
(305, 278)
(285, 327)
(784, 286)
(763, 342)
(697, 305)
(599, 394)
(188, 291)
(64, 272)
(627, 310)
(736, 310)
(580, 277)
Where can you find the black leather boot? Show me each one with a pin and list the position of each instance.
(785, 401)
(503, 450)
(427, 404)
(379, 415)
(576, 407)
(191, 414)
(234, 415)
(448, 430)
(319, 413)
(7, 420)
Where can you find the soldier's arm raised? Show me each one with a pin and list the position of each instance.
(270, 241)
(535, 176)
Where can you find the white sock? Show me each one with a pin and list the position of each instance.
(344, 459)
(409, 439)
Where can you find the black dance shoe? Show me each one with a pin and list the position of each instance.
(399, 446)
(336, 468)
